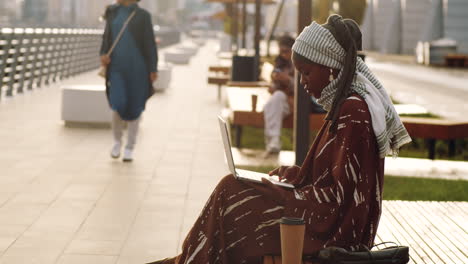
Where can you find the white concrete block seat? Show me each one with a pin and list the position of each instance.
(199, 42)
(192, 49)
(85, 104)
(164, 78)
(177, 56)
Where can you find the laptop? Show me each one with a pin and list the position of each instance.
(244, 174)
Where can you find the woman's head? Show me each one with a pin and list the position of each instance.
(328, 49)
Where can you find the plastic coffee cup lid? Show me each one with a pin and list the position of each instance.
(292, 221)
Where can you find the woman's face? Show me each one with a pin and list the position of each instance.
(314, 77)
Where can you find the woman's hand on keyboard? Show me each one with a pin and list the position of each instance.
(287, 173)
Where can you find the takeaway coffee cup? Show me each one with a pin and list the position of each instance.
(292, 240)
(254, 102)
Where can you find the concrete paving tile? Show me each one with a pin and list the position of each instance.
(175, 158)
(5, 196)
(83, 191)
(176, 188)
(102, 233)
(150, 244)
(12, 230)
(94, 247)
(68, 214)
(88, 259)
(111, 217)
(6, 242)
(31, 256)
(163, 201)
(20, 214)
(143, 259)
(158, 220)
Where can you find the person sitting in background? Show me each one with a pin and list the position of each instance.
(282, 92)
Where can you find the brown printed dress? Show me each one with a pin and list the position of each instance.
(339, 198)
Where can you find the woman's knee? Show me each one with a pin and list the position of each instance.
(227, 180)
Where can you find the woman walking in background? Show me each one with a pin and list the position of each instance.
(131, 69)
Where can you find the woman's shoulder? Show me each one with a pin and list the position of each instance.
(356, 107)
(109, 10)
(144, 12)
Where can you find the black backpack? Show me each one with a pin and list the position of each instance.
(388, 255)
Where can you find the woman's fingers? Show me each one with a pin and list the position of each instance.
(282, 170)
(274, 172)
(291, 174)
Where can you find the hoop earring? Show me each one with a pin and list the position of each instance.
(331, 78)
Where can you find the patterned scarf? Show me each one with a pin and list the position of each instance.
(317, 44)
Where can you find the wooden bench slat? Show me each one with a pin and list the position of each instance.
(419, 230)
(443, 228)
(457, 219)
(218, 80)
(429, 231)
(417, 247)
(389, 223)
(248, 84)
(393, 235)
(220, 68)
(416, 229)
(435, 128)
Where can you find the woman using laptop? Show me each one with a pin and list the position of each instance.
(339, 186)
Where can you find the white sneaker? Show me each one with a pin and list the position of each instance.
(115, 152)
(128, 155)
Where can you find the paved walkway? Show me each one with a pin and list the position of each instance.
(63, 200)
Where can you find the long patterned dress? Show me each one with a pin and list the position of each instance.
(128, 74)
(339, 199)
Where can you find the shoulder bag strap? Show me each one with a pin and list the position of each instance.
(119, 36)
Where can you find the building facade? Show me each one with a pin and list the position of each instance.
(396, 26)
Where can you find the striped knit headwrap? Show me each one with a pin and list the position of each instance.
(337, 50)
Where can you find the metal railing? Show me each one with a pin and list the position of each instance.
(30, 58)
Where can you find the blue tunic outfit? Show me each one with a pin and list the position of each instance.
(128, 74)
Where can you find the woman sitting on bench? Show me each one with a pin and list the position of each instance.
(338, 189)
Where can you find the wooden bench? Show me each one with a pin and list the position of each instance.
(220, 69)
(435, 232)
(456, 60)
(221, 76)
(240, 113)
(436, 129)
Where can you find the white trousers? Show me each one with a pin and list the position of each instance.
(275, 110)
(118, 127)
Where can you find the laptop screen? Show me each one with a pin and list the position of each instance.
(227, 145)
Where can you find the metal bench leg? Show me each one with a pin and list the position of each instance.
(238, 135)
(219, 92)
(451, 148)
(431, 145)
